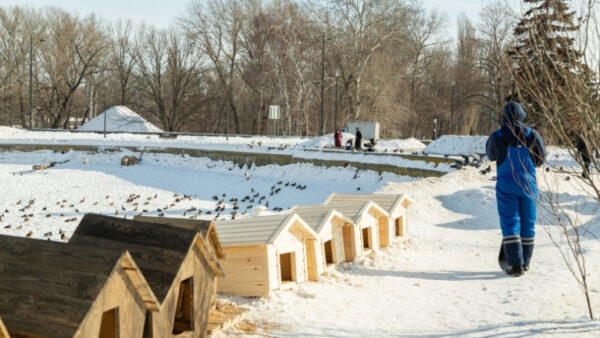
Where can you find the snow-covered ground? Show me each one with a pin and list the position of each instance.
(98, 183)
(441, 281)
(294, 146)
(457, 145)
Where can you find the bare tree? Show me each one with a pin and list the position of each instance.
(73, 51)
(495, 36)
(555, 76)
(216, 27)
(364, 27)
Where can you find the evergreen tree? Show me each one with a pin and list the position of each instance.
(545, 60)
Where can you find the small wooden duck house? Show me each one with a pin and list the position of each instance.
(264, 252)
(179, 265)
(395, 205)
(54, 289)
(371, 223)
(336, 241)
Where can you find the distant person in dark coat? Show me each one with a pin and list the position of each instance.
(583, 148)
(337, 138)
(358, 139)
(517, 150)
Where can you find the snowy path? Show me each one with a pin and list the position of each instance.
(443, 281)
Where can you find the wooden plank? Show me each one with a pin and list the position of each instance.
(311, 260)
(236, 252)
(223, 316)
(42, 166)
(243, 274)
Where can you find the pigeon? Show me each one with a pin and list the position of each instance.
(486, 170)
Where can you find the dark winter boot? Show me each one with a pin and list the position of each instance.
(513, 250)
(527, 244)
(514, 270)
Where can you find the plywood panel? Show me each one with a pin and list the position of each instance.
(348, 241)
(272, 268)
(383, 225)
(311, 260)
(244, 271)
(117, 293)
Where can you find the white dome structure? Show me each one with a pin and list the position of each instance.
(119, 118)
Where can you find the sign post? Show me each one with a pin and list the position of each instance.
(274, 115)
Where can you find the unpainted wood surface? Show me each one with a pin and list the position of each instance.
(48, 287)
(204, 227)
(118, 293)
(3, 331)
(348, 239)
(244, 271)
(204, 283)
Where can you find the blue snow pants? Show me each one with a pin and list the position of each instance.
(516, 194)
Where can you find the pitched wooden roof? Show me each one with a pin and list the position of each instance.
(316, 216)
(356, 209)
(159, 251)
(47, 288)
(3, 331)
(389, 202)
(204, 227)
(257, 230)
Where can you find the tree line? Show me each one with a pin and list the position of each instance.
(221, 65)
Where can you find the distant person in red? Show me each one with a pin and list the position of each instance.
(337, 137)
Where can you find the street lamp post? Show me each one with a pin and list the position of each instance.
(31, 80)
(337, 74)
(452, 108)
(323, 86)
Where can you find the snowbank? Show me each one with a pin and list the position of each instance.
(119, 118)
(410, 144)
(457, 145)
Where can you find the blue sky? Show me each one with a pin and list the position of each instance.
(162, 12)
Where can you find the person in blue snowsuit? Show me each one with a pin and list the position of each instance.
(517, 150)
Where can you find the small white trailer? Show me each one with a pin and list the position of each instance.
(369, 130)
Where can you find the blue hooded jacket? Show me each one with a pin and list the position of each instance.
(515, 133)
